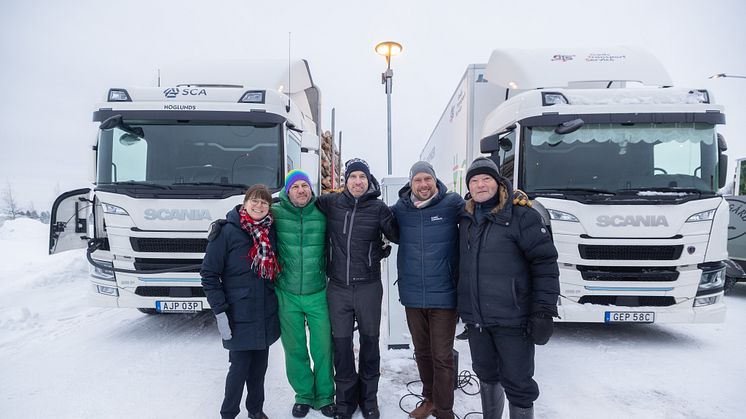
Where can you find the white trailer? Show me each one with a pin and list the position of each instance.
(169, 160)
(623, 167)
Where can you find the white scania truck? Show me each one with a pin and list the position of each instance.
(169, 160)
(624, 168)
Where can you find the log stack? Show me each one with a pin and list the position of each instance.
(330, 154)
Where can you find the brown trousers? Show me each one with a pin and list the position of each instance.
(433, 330)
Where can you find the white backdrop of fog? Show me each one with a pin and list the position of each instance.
(58, 59)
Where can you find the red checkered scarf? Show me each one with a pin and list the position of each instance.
(263, 258)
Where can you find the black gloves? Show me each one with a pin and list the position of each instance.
(540, 327)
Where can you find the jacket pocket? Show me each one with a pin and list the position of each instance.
(344, 228)
(515, 293)
(241, 311)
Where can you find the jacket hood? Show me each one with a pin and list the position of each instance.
(405, 193)
(505, 191)
(233, 217)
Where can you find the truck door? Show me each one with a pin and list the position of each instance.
(68, 224)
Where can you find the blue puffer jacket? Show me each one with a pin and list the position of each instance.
(508, 264)
(232, 286)
(428, 253)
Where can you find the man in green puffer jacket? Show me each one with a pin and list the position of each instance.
(301, 293)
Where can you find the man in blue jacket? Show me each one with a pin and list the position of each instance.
(507, 290)
(427, 262)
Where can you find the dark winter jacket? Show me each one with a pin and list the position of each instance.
(427, 259)
(508, 265)
(354, 227)
(231, 286)
(301, 245)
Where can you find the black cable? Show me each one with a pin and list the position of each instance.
(466, 379)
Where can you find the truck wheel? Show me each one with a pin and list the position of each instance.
(148, 310)
(730, 282)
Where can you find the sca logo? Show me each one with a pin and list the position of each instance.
(172, 92)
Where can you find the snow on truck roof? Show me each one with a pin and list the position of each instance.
(546, 68)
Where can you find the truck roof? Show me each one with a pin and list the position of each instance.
(519, 69)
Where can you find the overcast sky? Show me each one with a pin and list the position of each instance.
(58, 60)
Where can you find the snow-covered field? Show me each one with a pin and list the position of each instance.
(60, 358)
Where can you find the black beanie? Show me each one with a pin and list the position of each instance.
(482, 166)
(354, 165)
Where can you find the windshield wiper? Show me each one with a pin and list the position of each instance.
(226, 185)
(664, 189)
(141, 183)
(576, 190)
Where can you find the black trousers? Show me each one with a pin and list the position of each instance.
(505, 355)
(247, 369)
(359, 303)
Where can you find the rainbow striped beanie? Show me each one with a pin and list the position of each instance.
(294, 176)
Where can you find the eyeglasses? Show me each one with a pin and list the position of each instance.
(258, 202)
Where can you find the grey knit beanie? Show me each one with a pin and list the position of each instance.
(482, 166)
(421, 167)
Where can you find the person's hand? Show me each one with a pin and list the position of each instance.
(224, 326)
(520, 198)
(540, 327)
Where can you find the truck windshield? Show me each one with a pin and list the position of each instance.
(192, 153)
(641, 158)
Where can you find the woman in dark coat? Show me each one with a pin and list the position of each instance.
(238, 271)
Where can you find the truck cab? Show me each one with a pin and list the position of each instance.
(168, 161)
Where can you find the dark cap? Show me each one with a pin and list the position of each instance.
(354, 165)
(482, 166)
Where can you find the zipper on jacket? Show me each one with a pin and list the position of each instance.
(370, 248)
(422, 255)
(349, 237)
(301, 252)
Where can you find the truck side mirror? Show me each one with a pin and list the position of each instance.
(495, 142)
(722, 170)
(111, 122)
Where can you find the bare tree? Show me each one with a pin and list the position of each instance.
(9, 203)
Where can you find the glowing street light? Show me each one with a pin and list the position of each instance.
(388, 49)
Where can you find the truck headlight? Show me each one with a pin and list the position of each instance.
(102, 289)
(555, 215)
(101, 272)
(702, 216)
(113, 209)
(713, 277)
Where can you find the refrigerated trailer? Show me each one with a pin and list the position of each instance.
(623, 166)
(169, 160)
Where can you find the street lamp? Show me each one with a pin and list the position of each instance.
(388, 49)
(722, 75)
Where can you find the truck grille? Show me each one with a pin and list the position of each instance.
(628, 273)
(147, 244)
(600, 252)
(176, 292)
(628, 300)
(148, 264)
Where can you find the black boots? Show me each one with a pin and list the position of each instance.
(493, 400)
(300, 410)
(521, 412)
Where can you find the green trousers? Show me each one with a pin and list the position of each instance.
(313, 386)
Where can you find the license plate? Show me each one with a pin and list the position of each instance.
(178, 306)
(629, 317)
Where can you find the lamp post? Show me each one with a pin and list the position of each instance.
(723, 75)
(388, 49)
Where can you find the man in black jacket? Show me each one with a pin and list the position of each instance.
(356, 219)
(507, 291)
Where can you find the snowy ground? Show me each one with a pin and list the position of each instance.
(61, 358)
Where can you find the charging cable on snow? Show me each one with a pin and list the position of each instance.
(466, 380)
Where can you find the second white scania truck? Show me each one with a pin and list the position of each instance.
(624, 167)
